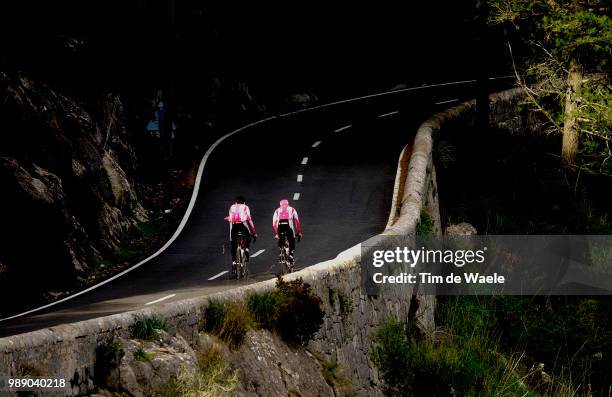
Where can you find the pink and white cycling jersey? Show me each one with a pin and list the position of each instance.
(287, 213)
(240, 213)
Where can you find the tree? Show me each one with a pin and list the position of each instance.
(564, 71)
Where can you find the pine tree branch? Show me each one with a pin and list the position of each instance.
(526, 89)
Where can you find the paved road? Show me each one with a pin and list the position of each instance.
(344, 198)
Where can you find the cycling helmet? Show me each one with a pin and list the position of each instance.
(284, 203)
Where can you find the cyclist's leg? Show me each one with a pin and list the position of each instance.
(291, 238)
(280, 236)
(234, 242)
(285, 230)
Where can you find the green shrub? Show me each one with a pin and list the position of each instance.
(148, 328)
(458, 363)
(230, 322)
(346, 304)
(301, 315)
(265, 308)
(331, 373)
(292, 309)
(332, 292)
(425, 227)
(213, 316)
(141, 355)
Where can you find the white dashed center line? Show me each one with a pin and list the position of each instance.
(300, 178)
(388, 114)
(160, 299)
(343, 128)
(257, 253)
(305, 160)
(449, 101)
(296, 196)
(317, 143)
(218, 275)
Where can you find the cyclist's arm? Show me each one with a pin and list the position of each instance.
(296, 220)
(275, 222)
(249, 221)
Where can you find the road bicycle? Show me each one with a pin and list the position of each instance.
(240, 270)
(283, 256)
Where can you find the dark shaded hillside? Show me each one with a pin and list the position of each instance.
(67, 179)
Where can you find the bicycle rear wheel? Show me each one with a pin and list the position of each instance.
(240, 260)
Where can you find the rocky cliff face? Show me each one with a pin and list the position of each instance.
(67, 195)
(263, 366)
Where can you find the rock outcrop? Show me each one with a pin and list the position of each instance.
(67, 197)
(146, 367)
(263, 366)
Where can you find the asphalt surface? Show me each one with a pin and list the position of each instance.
(344, 198)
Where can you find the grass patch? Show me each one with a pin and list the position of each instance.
(141, 355)
(214, 378)
(332, 292)
(266, 307)
(331, 373)
(346, 304)
(229, 321)
(213, 317)
(425, 227)
(148, 328)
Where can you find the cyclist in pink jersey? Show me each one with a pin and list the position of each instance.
(285, 220)
(240, 220)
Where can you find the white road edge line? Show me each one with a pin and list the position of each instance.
(300, 178)
(257, 253)
(317, 143)
(305, 161)
(296, 196)
(388, 114)
(449, 101)
(160, 299)
(346, 127)
(196, 187)
(218, 275)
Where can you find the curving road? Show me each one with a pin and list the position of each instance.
(336, 165)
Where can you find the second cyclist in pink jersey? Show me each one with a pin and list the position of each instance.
(286, 221)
